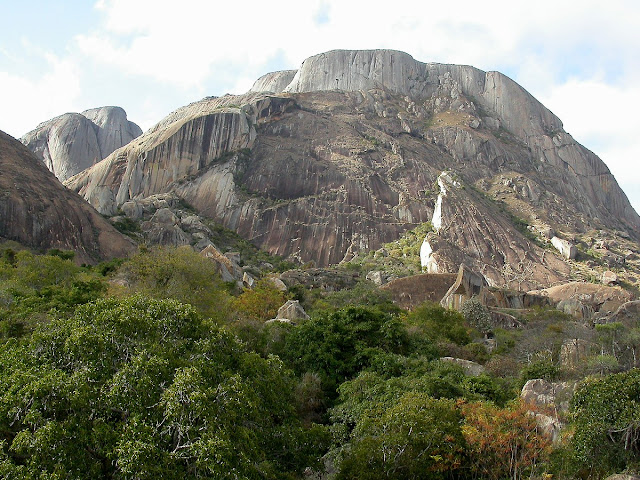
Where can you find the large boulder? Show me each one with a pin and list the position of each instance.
(567, 249)
(585, 301)
(544, 394)
(293, 311)
(470, 368)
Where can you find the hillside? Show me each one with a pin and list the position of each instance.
(38, 211)
(347, 153)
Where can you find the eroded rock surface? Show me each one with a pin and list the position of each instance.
(325, 169)
(73, 142)
(37, 211)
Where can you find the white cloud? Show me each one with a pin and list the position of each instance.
(579, 58)
(54, 93)
(604, 118)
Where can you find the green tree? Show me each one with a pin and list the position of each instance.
(140, 388)
(180, 274)
(439, 324)
(340, 344)
(418, 437)
(260, 303)
(477, 315)
(606, 414)
(34, 286)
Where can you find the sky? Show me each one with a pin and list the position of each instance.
(581, 59)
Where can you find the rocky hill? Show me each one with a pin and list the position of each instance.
(356, 147)
(74, 141)
(37, 211)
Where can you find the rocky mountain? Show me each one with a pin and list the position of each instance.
(37, 211)
(74, 141)
(356, 147)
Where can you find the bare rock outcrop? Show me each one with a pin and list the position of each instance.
(73, 142)
(467, 231)
(586, 301)
(291, 312)
(553, 399)
(543, 393)
(325, 169)
(470, 368)
(274, 82)
(37, 211)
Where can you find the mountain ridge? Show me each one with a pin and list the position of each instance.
(72, 142)
(322, 174)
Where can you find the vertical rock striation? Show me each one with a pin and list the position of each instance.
(73, 142)
(37, 211)
(344, 154)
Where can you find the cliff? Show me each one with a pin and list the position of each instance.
(37, 211)
(347, 155)
(74, 141)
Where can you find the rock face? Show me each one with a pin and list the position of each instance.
(541, 393)
(74, 141)
(585, 301)
(552, 397)
(274, 82)
(37, 211)
(320, 170)
(566, 248)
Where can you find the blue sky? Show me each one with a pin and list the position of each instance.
(580, 58)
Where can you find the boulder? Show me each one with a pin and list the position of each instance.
(248, 281)
(228, 269)
(470, 368)
(575, 308)
(292, 311)
(542, 394)
(132, 209)
(627, 313)
(585, 300)
(609, 278)
(164, 216)
(378, 277)
(567, 249)
(277, 283)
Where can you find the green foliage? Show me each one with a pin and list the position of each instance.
(34, 286)
(260, 303)
(141, 388)
(340, 344)
(63, 254)
(606, 414)
(402, 256)
(126, 225)
(229, 241)
(180, 274)
(439, 324)
(417, 437)
(364, 294)
(540, 368)
(477, 315)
